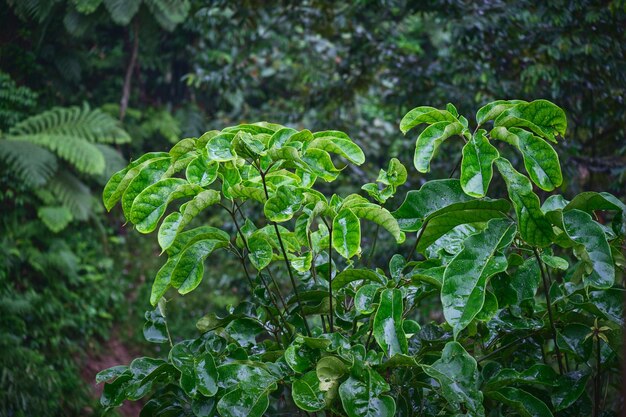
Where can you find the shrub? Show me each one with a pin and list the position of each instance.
(500, 306)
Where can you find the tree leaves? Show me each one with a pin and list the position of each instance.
(465, 278)
(526, 404)
(430, 139)
(346, 233)
(534, 227)
(477, 164)
(540, 116)
(363, 397)
(388, 330)
(457, 374)
(424, 114)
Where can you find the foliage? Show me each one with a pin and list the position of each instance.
(531, 311)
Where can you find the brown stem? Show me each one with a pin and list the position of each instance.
(546, 289)
(129, 71)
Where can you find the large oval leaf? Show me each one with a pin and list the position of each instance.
(306, 393)
(388, 330)
(465, 278)
(362, 397)
(424, 114)
(346, 233)
(544, 118)
(477, 164)
(187, 273)
(430, 139)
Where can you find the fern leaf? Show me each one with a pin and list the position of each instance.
(169, 13)
(84, 156)
(73, 194)
(122, 11)
(84, 123)
(29, 162)
(55, 218)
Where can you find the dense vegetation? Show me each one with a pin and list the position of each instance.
(88, 85)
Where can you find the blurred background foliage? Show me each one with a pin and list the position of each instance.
(86, 85)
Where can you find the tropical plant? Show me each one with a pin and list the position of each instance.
(513, 306)
(49, 152)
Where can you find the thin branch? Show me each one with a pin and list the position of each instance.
(417, 241)
(129, 71)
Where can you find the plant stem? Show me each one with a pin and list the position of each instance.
(373, 250)
(546, 289)
(330, 276)
(129, 70)
(508, 345)
(417, 241)
(286, 258)
(598, 382)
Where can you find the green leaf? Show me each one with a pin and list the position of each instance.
(168, 230)
(363, 209)
(260, 250)
(540, 116)
(306, 393)
(55, 218)
(343, 147)
(285, 202)
(329, 371)
(444, 220)
(477, 164)
(424, 114)
(189, 269)
(346, 233)
(247, 146)
(395, 175)
(155, 327)
(432, 196)
(206, 374)
(149, 173)
(465, 278)
(241, 402)
(520, 286)
(540, 159)
(219, 148)
(362, 397)
(151, 203)
(534, 228)
(494, 109)
(364, 298)
(201, 201)
(388, 330)
(280, 137)
(318, 162)
(569, 389)
(527, 405)
(201, 172)
(457, 374)
(347, 276)
(583, 230)
(430, 139)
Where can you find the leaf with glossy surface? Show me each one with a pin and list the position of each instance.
(494, 109)
(149, 173)
(540, 159)
(457, 374)
(189, 269)
(343, 147)
(526, 404)
(306, 393)
(432, 196)
(347, 276)
(430, 139)
(346, 236)
(388, 330)
(219, 147)
(424, 114)
(477, 164)
(540, 116)
(201, 201)
(465, 278)
(201, 172)
(362, 397)
(168, 230)
(260, 251)
(534, 228)
(285, 202)
(582, 229)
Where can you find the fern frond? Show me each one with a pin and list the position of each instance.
(29, 162)
(91, 125)
(55, 218)
(122, 11)
(73, 194)
(84, 156)
(169, 13)
(113, 162)
(33, 9)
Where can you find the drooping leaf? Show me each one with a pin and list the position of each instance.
(465, 278)
(363, 397)
(346, 235)
(347, 276)
(457, 374)
(168, 230)
(540, 159)
(492, 110)
(201, 201)
(432, 196)
(540, 116)
(424, 114)
(534, 228)
(343, 147)
(306, 393)
(188, 271)
(526, 404)
(477, 164)
(388, 330)
(430, 139)
(582, 229)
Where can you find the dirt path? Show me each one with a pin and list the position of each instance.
(112, 353)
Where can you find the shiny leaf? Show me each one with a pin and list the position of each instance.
(388, 330)
(430, 139)
(346, 235)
